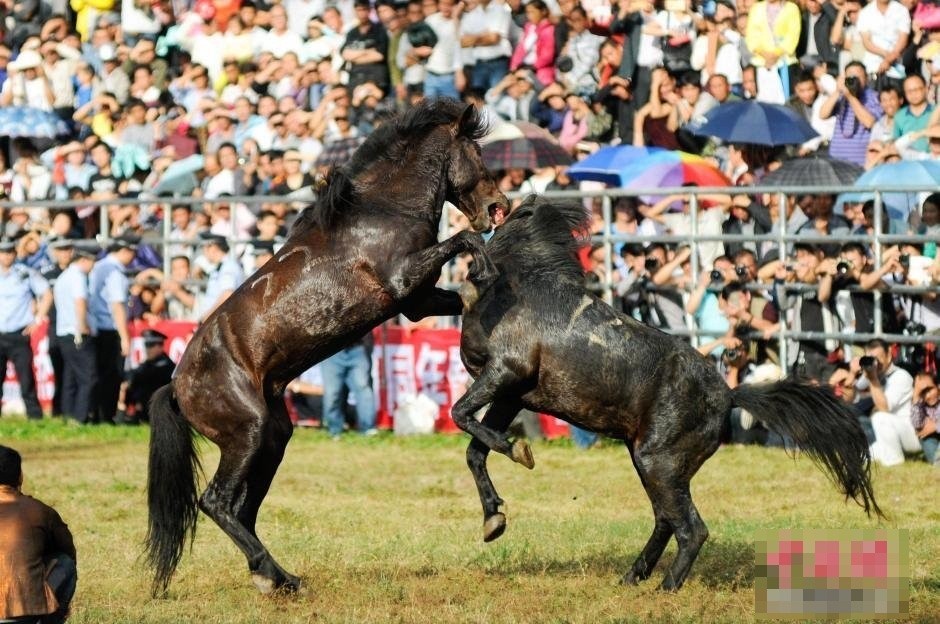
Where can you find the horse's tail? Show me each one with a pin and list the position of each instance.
(171, 487)
(823, 427)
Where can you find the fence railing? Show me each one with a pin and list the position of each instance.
(781, 238)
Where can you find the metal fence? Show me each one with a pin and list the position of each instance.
(782, 239)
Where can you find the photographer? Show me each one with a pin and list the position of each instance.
(857, 309)
(856, 108)
(703, 302)
(738, 368)
(657, 304)
(891, 390)
(925, 415)
(808, 310)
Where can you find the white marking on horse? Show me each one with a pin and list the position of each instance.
(596, 340)
(585, 302)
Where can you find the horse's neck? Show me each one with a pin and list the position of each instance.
(407, 190)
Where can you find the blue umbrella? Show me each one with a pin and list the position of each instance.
(756, 123)
(611, 164)
(33, 123)
(180, 177)
(909, 172)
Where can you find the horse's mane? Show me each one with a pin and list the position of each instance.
(389, 142)
(542, 237)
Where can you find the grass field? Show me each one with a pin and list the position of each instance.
(389, 530)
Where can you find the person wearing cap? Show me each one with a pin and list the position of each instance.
(73, 331)
(37, 553)
(26, 83)
(108, 290)
(257, 254)
(225, 275)
(61, 251)
(21, 291)
(113, 77)
(153, 373)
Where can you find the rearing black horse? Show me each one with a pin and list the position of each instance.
(537, 338)
(366, 251)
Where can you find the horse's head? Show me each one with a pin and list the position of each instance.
(469, 185)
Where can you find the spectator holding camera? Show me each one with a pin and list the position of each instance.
(856, 108)
(925, 415)
(808, 310)
(891, 390)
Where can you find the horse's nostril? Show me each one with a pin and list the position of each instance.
(497, 211)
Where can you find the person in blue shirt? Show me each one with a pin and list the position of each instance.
(21, 288)
(108, 292)
(74, 330)
(224, 276)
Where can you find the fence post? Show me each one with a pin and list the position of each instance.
(167, 230)
(876, 293)
(695, 268)
(782, 253)
(608, 252)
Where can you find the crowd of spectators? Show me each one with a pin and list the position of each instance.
(218, 99)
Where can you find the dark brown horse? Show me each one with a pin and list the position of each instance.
(365, 252)
(537, 338)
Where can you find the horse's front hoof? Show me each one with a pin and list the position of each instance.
(494, 526)
(522, 454)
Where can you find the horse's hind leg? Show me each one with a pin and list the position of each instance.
(277, 432)
(662, 531)
(249, 460)
(493, 380)
(666, 480)
(499, 416)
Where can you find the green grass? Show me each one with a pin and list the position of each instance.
(389, 530)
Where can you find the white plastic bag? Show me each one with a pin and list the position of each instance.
(416, 414)
(769, 86)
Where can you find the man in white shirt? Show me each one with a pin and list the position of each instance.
(884, 26)
(444, 64)
(484, 41)
(891, 391)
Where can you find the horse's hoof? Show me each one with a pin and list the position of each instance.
(265, 585)
(494, 526)
(522, 454)
(469, 294)
(632, 578)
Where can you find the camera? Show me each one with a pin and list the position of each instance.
(853, 85)
(914, 328)
(867, 362)
(905, 260)
(730, 355)
(716, 276)
(741, 272)
(843, 267)
(651, 264)
(564, 64)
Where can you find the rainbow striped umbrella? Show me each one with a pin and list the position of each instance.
(671, 169)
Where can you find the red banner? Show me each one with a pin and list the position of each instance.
(403, 363)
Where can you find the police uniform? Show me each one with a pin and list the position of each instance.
(52, 273)
(149, 377)
(228, 275)
(19, 287)
(77, 347)
(108, 285)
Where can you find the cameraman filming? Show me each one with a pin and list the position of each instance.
(856, 108)
(891, 391)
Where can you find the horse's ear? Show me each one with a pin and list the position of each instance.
(466, 119)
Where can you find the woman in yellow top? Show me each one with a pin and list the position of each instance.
(773, 31)
(87, 12)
